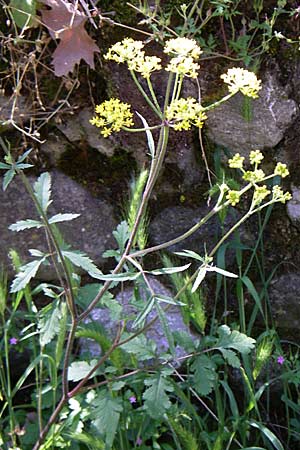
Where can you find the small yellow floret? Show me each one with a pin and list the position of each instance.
(236, 162)
(242, 80)
(256, 157)
(260, 193)
(183, 66)
(233, 197)
(124, 51)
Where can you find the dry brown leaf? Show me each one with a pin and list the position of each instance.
(65, 22)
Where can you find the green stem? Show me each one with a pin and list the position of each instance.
(151, 90)
(144, 94)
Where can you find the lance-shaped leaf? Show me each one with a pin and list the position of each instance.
(63, 217)
(150, 139)
(169, 270)
(210, 268)
(8, 177)
(25, 224)
(42, 190)
(27, 272)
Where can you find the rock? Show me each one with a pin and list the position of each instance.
(77, 128)
(54, 148)
(271, 114)
(176, 220)
(284, 301)
(90, 233)
(18, 115)
(155, 332)
(293, 207)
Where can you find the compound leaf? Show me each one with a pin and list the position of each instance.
(156, 399)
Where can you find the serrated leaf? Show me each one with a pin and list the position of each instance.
(63, 217)
(234, 339)
(42, 190)
(156, 399)
(121, 234)
(25, 224)
(80, 369)
(23, 12)
(204, 371)
(8, 177)
(140, 346)
(231, 358)
(106, 416)
(49, 323)
(79, 259)
(169, 270)
(150, 139)
(27, 272)
(118, 277)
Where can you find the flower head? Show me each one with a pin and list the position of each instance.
(236, 162)
(254, 176)
(183, 66)
(279, 195)
(260, 193)
(184, 113)
(145, 65)
(239, 79)
(281, 170)
(280, 360)
(13, 341)
(112, 115)
(124, 51)
(183, 46)
(256, 157)
(132, 399)
(233, 197)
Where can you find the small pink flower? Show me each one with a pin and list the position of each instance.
(132, 399)
(139, 441)
(13, 341)
(280, 360)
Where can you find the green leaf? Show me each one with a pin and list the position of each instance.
(80, 369)
(4, 166)
(23, 12)
(156, 399)
(190, 254)
(165, 326)
(25, 224)
(49, 323)
(144, 313)
(121, 234)
(231, 358)
(8, 177)
(200, 277)
(169, 270)
(27, 272)
(140, 346)
(118, 277)
(79, 259)
(63, 217)
(106, 416)
(23, 166)
(24, 156)
(204, 370)
(42, 190)
(150, 139)
(234, 339)
(268, 433)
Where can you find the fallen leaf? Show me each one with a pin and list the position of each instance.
(66, 22)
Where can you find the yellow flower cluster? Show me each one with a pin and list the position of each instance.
(130, 51)
(242, 80)
(184, 51)
(112, 115)
(255, 176)
(184, 113)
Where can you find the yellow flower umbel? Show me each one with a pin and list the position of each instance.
(184, 113)
(130, 51)
(112, 115)
(184, 51)
(281, 170)
(242, 80)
